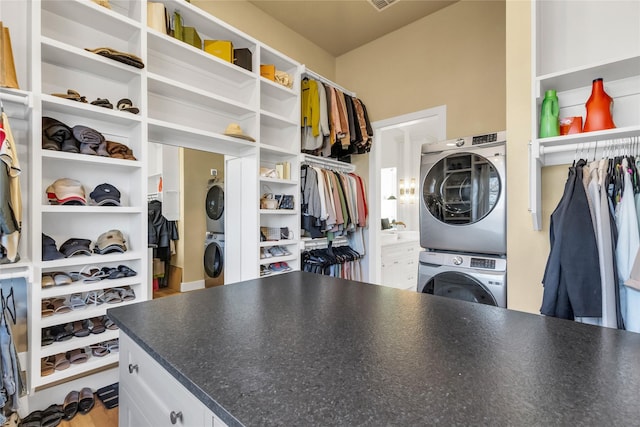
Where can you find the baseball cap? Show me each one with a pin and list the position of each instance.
(105, 195)
(66, 191)
(49, 250)
(111, 241)
(76, 247)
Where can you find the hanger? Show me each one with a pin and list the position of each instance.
(11, 309)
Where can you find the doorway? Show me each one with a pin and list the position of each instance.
(398, 144)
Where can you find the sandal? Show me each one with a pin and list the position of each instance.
(77, 355)
(80, 329)
(128, 272)
(70, 407)
(61, 278)
(77, 301)
(47, 366)
(126, 293)
(110, 324)
(61, 332)
(97, 325)
(112, 273)
(105, 103)
(61, 362)
(60, 305)
(126, 105)
(87, 400)
(47, 281)
(99, 350)
(93, 298)
(113, 346)
(47, 308)
(47, 337)
(111, 296)
(72, 95)
(52, 416)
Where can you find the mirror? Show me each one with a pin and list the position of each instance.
(388, 193)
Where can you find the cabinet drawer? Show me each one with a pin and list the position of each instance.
(158, 392)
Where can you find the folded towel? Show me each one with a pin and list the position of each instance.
(91, 141)
(57, 136)
(119, 151)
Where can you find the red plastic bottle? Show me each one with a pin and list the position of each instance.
(599, 107)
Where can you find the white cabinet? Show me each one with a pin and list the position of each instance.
(151, 396)
(61, 63)
(567, 55)
(399, 265)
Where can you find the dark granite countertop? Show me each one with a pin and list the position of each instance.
(301, 349)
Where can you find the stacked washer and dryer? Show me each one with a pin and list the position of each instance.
(214, 239)
(463, 219)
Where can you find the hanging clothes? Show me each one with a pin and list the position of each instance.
(161, 235)
(341, 261)
(10, 195)
(572, 275)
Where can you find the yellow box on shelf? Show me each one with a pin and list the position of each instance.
(223, 49)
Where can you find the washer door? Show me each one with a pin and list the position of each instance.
(215, 202)
(461, 189)
(459, 286)
(213, 260)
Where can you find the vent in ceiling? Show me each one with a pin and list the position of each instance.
(381, 5)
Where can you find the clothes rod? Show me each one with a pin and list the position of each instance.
(317, 76)
(585, 146)
(326, 163)
(16, 99)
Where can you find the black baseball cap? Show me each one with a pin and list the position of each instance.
(49, 250)
(76, 247)
(105, 195)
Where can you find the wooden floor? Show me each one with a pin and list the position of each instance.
(99, 416)
(164, 292)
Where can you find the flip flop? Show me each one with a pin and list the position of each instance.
(128, 272)
(47, 367)
(77, 301)
(110, 324)
(61, 362)
(113, 346)
(71, 403)
(93, 298)
(61, 332)
(87, 400)
(125, 104)
(99, 350)
(47, 337)
(110, 296)
(77, 355)
(47, 308)
(126, 293)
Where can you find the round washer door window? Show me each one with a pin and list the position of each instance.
(460, 286)
(461, 189)
(215, 202)
(213, 260)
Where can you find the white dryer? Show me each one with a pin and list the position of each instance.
(480, 279)
(214, 206)
(463, 191)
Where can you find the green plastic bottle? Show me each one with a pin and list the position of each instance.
(549, 115)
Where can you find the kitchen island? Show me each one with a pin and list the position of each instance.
(300, 349)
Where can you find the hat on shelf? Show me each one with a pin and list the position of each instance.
(66, 191)
(49, 250)
(235, 130)
(76, 247)
(111, 241)
(105, 195)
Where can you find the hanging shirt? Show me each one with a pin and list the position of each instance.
(10, 194)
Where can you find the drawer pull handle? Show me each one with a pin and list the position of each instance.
(175, 416)
(133, 368)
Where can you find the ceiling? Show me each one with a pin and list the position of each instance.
(339, 26)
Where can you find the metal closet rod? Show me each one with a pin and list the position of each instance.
(17, 99)
(323, 242)
(325, 163)
(317, 76)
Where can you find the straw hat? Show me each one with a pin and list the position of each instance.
(235, 130)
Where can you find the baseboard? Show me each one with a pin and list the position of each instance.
(191, 286)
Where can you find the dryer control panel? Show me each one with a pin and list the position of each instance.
(489, 264)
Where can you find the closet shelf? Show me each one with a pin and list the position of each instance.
(168, 133)
(277, 91)
(180, 53)
(84, 313)
(98, 160)
(57, 291)
(92, 209)
(277, 121)
(266, 261)
(93, 363)
(55, 104)
(76, 342)
(92, 259)
(278, 211)
(278, 181)
(285, 242)
(65, 56)
(19, 270)
(180, 92)
(99, 17)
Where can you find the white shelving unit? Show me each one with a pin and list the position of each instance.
(61, 32)
(567, 56)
